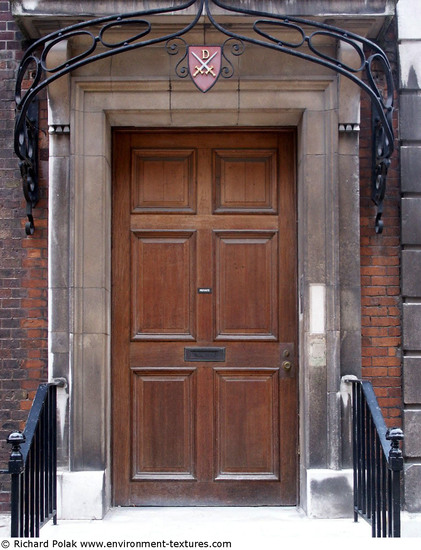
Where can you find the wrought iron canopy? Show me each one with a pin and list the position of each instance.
(264, 30)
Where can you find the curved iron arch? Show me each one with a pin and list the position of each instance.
(35, 59)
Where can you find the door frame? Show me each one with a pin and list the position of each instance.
(80, 261)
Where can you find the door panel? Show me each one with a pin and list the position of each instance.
(204, 315)
(245, 181)
(164, 181)
(163, 265)
(246, 267)
(247, 424)
(163, 421)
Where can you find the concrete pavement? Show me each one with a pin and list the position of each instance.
(244, 528)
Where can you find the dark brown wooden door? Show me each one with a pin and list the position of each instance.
(204, 318)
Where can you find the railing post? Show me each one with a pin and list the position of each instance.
(378, 463)
(16, 467)
(53, 435)
(33, 466)
(355, 457)
(395, 435)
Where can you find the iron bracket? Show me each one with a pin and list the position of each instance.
(262, 24)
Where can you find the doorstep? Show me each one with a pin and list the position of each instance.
(260, 527)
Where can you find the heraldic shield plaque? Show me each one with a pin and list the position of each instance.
(204, 65)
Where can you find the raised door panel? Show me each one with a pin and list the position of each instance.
(163, 444)
(247, 424)
(164, 180)
(245, 181)
(246, 278)
(163, 274)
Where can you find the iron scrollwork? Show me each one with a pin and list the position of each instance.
(231, 46)
(381, 99)
(178, 46)
(34, 68)
(265, 30)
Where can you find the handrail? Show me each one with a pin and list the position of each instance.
(377, 463)
(33, 466)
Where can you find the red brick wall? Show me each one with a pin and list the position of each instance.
(23, 265)
(380, 271)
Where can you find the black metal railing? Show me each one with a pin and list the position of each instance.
(33, 466)
(378, 464)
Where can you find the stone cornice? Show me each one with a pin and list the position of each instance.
(37, 18)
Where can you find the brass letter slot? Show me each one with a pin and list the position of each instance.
(204, 354)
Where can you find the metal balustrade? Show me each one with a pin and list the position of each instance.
(33, 466)
(378, 464)
(377, 461)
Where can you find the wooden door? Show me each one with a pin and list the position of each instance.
(204, 318)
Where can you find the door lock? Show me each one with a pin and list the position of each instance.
(287, 365)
